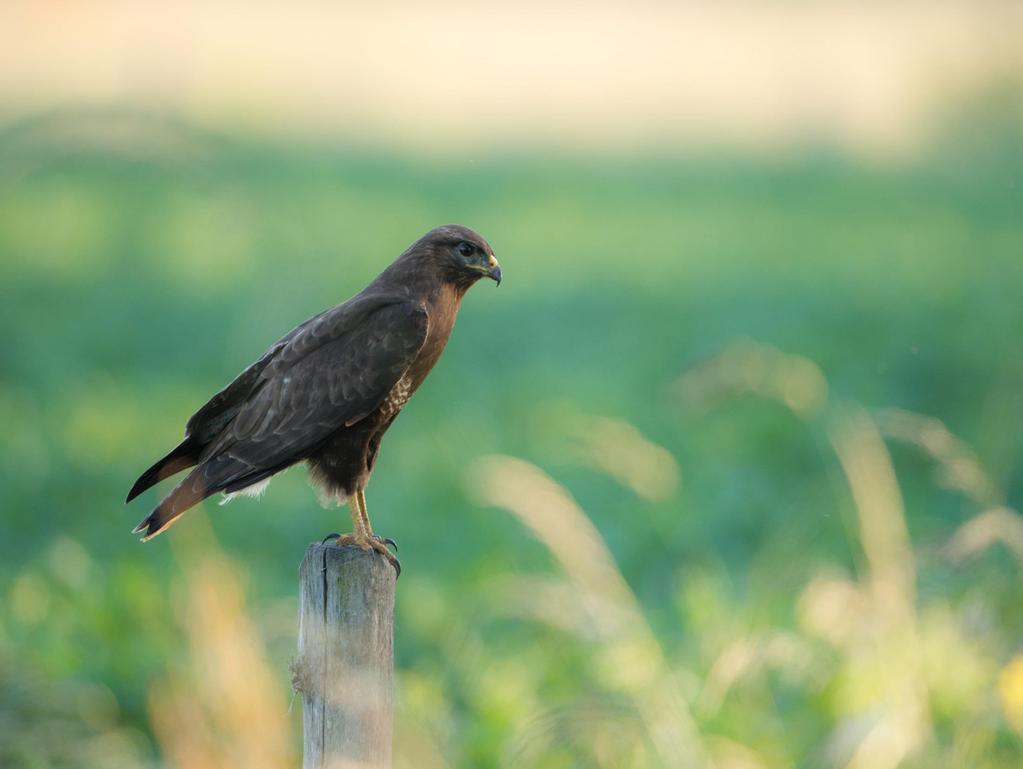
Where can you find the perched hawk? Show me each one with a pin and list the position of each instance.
(326, 392)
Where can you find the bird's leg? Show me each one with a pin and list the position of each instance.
(363, 535)
(377, 543)
(364, 513)
(359, 535)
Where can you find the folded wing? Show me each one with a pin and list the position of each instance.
(329, 373)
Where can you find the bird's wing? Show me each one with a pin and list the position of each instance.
(331, 372)
(328, 375)
(206, 424)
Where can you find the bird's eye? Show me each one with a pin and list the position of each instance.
(466, 249)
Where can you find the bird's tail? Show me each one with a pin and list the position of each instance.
(181, 458)
(190, 492)
(222, 473)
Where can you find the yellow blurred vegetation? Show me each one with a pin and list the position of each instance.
(225, 707)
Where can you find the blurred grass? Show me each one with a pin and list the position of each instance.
(143, 263)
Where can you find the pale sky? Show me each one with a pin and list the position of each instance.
(864, 75)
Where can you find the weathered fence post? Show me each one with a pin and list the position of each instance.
(345, 662)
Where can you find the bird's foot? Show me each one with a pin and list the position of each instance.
(372, 542)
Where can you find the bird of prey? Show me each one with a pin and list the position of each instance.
(326, 392)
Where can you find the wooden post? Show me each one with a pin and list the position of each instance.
(345, 664)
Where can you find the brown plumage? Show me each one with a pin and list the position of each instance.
(326, 392)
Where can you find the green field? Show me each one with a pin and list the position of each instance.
(704, 352)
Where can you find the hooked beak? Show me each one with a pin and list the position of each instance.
(494, 271)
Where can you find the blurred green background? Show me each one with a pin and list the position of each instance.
(722, 475)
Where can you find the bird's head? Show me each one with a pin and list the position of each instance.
(461, 255)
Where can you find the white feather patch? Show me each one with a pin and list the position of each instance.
(255, 490)
(331, 498)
